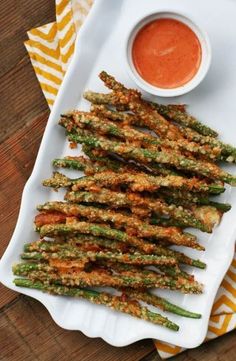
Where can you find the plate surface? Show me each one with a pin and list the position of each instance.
(100, 47)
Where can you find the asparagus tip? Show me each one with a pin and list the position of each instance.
(199, 264)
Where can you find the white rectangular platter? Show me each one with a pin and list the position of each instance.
(100, 46)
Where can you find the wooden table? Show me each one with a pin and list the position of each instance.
(27, 332)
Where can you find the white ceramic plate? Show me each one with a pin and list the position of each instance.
(100, 47)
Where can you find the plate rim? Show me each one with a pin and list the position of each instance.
(39, 296)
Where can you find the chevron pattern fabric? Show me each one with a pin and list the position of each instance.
(50, 48)
(223, 314)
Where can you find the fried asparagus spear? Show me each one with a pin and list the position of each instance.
(199, 167)
(101, 278)
(157, 206)
(136, 182)
(86, 165)
(125, 132)
(55, 230)
(132, 100)
(143, 182)
(82, 164)
(189, 199)
(87, 243)
(103, 111)
(172, 196)
(97, 278)
(173, 271)
(100, 243)
(173, 112)
(99, 164)
(70, 252)
(228, 152)
(97, 230)
(181, 117)
(149, 116)
(101, 298)
(77, 241)
(133, 224)
(159, 302)
(100, 155)
(144, 110)
(96, 243)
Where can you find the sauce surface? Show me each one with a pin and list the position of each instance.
(166, 53)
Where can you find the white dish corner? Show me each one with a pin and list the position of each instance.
(100, 48)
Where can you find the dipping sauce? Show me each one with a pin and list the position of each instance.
(166, 53)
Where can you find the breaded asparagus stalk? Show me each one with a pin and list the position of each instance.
(200, 167)
(137, 182)
(100, 298)
(159, 302)
(133, 224)
(101, 278)
(70, 252)
(104, 126)
(171, 111)
(55, 230)
(158, 206)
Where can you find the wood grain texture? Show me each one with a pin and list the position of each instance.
(20, 94)
(27, 331)
(17, 155)
(22, 107)
(220, 349)
(33, 335)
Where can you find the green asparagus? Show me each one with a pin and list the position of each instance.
(104, 278)
(101, 298)
(160, 302)
(177, 160)
(54, 230)
(119, 199)
(70, 252)
(104, 126)
(120, 220)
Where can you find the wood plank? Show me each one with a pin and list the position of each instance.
(17, 156)
(153, 356)
(20, 94)
(27, 332)
(16, 18)
(7, 295)
(222, 348)
(13, 346)
(21, 100)
(31, 331)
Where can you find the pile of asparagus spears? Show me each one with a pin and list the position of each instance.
(150, 171)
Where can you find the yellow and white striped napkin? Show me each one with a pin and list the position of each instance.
(50, 48)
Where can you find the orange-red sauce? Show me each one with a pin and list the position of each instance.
(166, 53)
